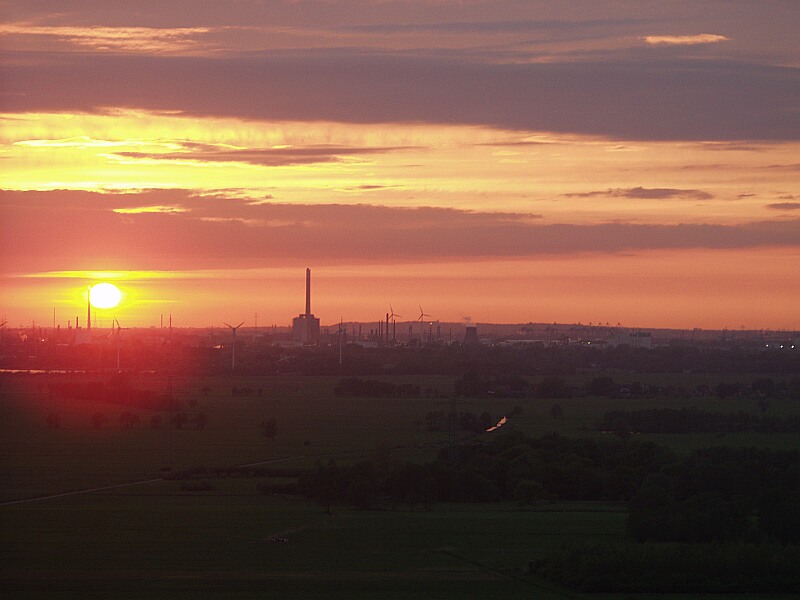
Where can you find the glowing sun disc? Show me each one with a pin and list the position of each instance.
(104, 295)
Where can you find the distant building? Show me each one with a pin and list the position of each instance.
(634, 339)
(305, 326)
(82, 336)
(471, 336)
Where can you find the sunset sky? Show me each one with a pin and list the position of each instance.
(506, 160)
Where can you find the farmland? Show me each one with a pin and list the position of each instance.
(195, 519)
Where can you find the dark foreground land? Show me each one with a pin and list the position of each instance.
(602, 484)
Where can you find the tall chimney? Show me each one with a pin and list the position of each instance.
(89, 308)
(308, 291)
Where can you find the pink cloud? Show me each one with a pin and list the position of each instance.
(60, 230)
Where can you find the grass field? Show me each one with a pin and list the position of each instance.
(159, 539)
(157, 536)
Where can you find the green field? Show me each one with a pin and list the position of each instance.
(157, 537)
(160, 537)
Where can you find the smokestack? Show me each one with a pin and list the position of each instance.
(308, 291)
(89, 308)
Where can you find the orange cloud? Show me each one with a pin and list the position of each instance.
(176, 229)
(685, 40)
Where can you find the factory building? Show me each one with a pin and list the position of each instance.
(305, 327)
(471, 336)
(634, 339)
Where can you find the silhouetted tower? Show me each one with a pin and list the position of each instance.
(308, 291)
(305, 327)
(471, 336)
(89, 308)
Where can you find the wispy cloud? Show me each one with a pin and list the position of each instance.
(492, 27)
(646, 194)
(272, 157)
(784, 206)
(684, 40)
(131, 39)
(84, 141)
(149, 209)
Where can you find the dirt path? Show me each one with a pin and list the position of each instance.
(130, 483)
(73, 493)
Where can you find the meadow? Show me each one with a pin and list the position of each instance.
(162, 536)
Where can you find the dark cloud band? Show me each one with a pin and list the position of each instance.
(81, 230)
(637, 99)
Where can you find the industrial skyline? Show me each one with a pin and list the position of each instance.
(508, 160)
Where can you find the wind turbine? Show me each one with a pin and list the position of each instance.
(233, 347)
(342, 332)
(394, 322)
(116, 337)
(420, 318)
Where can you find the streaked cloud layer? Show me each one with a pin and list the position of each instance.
(175, 230)
(353, 134)
(642, 99)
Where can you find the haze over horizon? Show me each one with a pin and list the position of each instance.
(515, 160)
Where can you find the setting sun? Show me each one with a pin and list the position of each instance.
(104, 295)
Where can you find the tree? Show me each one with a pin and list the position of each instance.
(99, 421)
(200, 420)
(129, 420)
(763, 386)
(470, 385)
(269, 428)
(528, 492)
(601, 386)
(779, 515)
(362, 485)
(553, 387)
(323, 484)
(179, 420)
(436, 420)
(621, 427)
(726, 390)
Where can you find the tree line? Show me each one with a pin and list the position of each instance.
(693, 420)
(115, 391)
(370, 388)
(719, 520)
(512, 467)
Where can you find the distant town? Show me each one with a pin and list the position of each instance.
(36, 347)
(214, 349)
